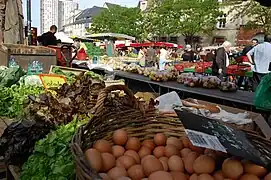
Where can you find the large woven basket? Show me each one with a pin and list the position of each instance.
(138, 123)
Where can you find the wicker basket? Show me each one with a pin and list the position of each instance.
(138, 123)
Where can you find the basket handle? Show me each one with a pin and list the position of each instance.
(104, 93)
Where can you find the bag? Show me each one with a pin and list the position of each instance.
(262, 99)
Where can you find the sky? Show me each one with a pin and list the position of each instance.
(82, 3)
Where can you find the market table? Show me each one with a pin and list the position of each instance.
(241, 97)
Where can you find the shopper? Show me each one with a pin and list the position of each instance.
(150, 58)
(210, 56)
(188, 54)
(222, 61)
(48, 38)
(163, 58)
(261, 60)
(142, 56)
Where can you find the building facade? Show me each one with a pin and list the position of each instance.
(56, 12)
(79, 23)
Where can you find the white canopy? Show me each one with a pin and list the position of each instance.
(63, 37)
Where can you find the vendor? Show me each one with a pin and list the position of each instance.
(48, 38)
(188, 54)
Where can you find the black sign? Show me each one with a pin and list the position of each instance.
(233, 140)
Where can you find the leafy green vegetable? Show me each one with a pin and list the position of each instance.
(69, 76)
(12, 99)
(10, 76)
(52, 159)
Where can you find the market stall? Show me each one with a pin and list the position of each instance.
(80, 109)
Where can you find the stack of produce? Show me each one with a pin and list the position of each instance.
(46, 113)
(193, 81)
(51, 158)
(183, 77)
(211, 82)
(133, 68)
(165, 158)
(77, 98)
(158, 76)
(148, 70)
(228, 87)
(12, 99)
(69, 76)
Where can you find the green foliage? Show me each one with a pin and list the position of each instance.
(119, 19)
(186, 17)
(256, 15)
(94, 50)
(12, 99)
(52, 159)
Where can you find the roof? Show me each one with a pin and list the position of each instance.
(89, 13)
(111, 5)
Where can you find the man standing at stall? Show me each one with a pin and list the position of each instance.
(261, 60)
(49, 38)
(222, 60)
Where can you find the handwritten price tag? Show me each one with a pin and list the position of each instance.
(52, 81)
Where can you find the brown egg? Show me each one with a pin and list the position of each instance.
(136, 172)
(171, 150)
(268, 177)
(193, 177)
(249, 177)
(175, 163)
(149, 143)
(189, 161)
(117, 172)
(178, 175)
(94, 159)
(104, 176)
(176, 142)
(159, 151)
(184, 152)
(108, 161)
(146, 157)
(205, 177)
(133, 144)
(103, 146)
(133, 154)
(126, 161)
(151, 165)
(164, 161)
(196, 149)
(251, 168)
(160, 175)
(204, 165)
(165, 165)
(219, 175)
(186, 142)
(160, 139)
(120, 137)
(144, 151)
(232, 168)
(118, 151)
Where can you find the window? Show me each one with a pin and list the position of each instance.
(221, 21)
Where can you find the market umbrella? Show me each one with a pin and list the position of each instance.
(111, 36)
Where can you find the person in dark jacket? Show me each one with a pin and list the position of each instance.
(221, 61)
(48, 38)
(188, 54)
(254, 42)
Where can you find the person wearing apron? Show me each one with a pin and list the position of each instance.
(142, 57)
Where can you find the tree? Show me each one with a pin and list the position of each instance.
(187, 17)
(256, 15)
(119, 19)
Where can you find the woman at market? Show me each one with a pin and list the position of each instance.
(142, 57)
(188, 54)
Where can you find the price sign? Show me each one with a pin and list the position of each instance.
(51, 80)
